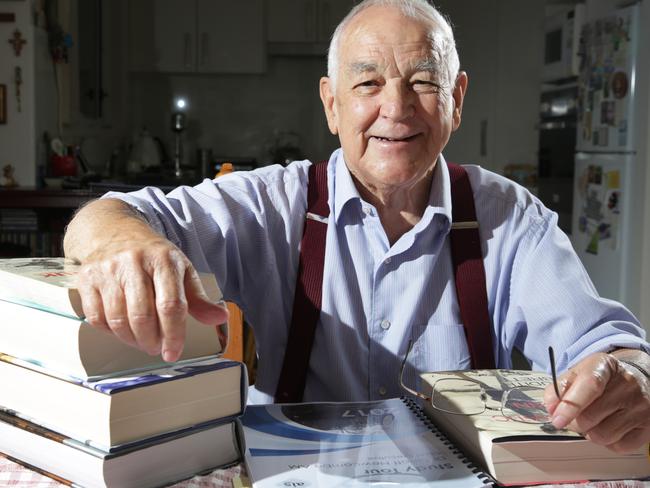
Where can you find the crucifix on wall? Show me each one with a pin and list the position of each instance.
(17, 41)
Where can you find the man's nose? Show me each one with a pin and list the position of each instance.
(397, 102)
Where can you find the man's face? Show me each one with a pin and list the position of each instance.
(393, 107)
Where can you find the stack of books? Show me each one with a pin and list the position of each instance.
(77, 404)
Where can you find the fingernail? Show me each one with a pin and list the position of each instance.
(559, 421)
(170, 355)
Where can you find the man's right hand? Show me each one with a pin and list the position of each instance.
(137, 284)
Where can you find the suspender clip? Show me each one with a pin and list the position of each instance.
(316, 217)
(470, 224)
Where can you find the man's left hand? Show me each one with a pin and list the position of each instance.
(606, 400)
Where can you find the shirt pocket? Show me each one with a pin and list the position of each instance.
(439, 347)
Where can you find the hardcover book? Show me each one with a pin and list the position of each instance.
(125, 409)
(50, 284)
(350, 444)
(45, 283)
(156, 462)
(510, 445)
(72, 347)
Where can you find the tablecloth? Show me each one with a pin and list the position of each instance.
(13, 474)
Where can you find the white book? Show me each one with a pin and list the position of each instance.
(516, 452)
(160, 462)
(124, 409)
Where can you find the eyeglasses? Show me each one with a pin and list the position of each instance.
(467, 396)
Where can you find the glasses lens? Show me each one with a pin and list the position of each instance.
(458, 397)
(525, 405)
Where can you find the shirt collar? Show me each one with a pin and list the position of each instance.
(345, 191)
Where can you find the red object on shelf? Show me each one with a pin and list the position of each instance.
(63, 166)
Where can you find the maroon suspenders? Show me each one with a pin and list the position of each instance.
(309, 289)
(468, 272)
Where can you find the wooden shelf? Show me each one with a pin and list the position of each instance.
(41, 199)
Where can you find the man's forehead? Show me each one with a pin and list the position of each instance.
(423, 61)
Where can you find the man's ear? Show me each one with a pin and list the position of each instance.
(327, 97)
(459, 95)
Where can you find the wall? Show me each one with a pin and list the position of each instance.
(17, 137)
(500, 47)
(237, 115)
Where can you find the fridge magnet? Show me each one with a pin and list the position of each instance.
(3, 104)
(613, 212)
(582, 224)
(619, 84)
(594, 205)
(604, 231)
(592, 247)
(608, 112)
(17, 42)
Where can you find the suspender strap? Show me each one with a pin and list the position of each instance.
(469, 272)
(309, 290)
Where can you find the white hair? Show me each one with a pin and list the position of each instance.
(441, 34)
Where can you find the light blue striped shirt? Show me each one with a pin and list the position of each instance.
(246, 228)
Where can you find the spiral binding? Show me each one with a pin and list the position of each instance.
(419, 413)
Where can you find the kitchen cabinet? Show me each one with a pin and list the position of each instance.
(305, 24)
(197, 36)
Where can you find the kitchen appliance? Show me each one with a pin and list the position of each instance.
(557, 145)
(146, 154)
(178, 126)
(611, 158)
(562, 43)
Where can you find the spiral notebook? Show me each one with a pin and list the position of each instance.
(376, 443)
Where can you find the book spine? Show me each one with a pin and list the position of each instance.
(417, 411)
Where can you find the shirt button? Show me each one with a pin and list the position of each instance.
(387, 261)
(382, 390)
(367, 210)
(385, 324)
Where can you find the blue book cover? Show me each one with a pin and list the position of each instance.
(351, 444)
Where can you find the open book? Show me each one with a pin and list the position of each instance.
(375, 443)
(515, 452)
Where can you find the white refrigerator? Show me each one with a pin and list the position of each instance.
(610, 162)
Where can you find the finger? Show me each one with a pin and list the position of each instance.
(588, 384)
(608, 429)
(91, 300)
(171, 308)
(141, 310)
(632, 441)
(93, 309)
(551, 400)
(115, 312)
(199, 304)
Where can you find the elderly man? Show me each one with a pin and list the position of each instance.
(384, 271)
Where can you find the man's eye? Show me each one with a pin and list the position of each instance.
(425, 85)
(368, 83)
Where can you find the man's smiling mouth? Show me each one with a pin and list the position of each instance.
(394, 139)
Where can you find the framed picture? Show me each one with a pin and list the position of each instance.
(3, 104)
